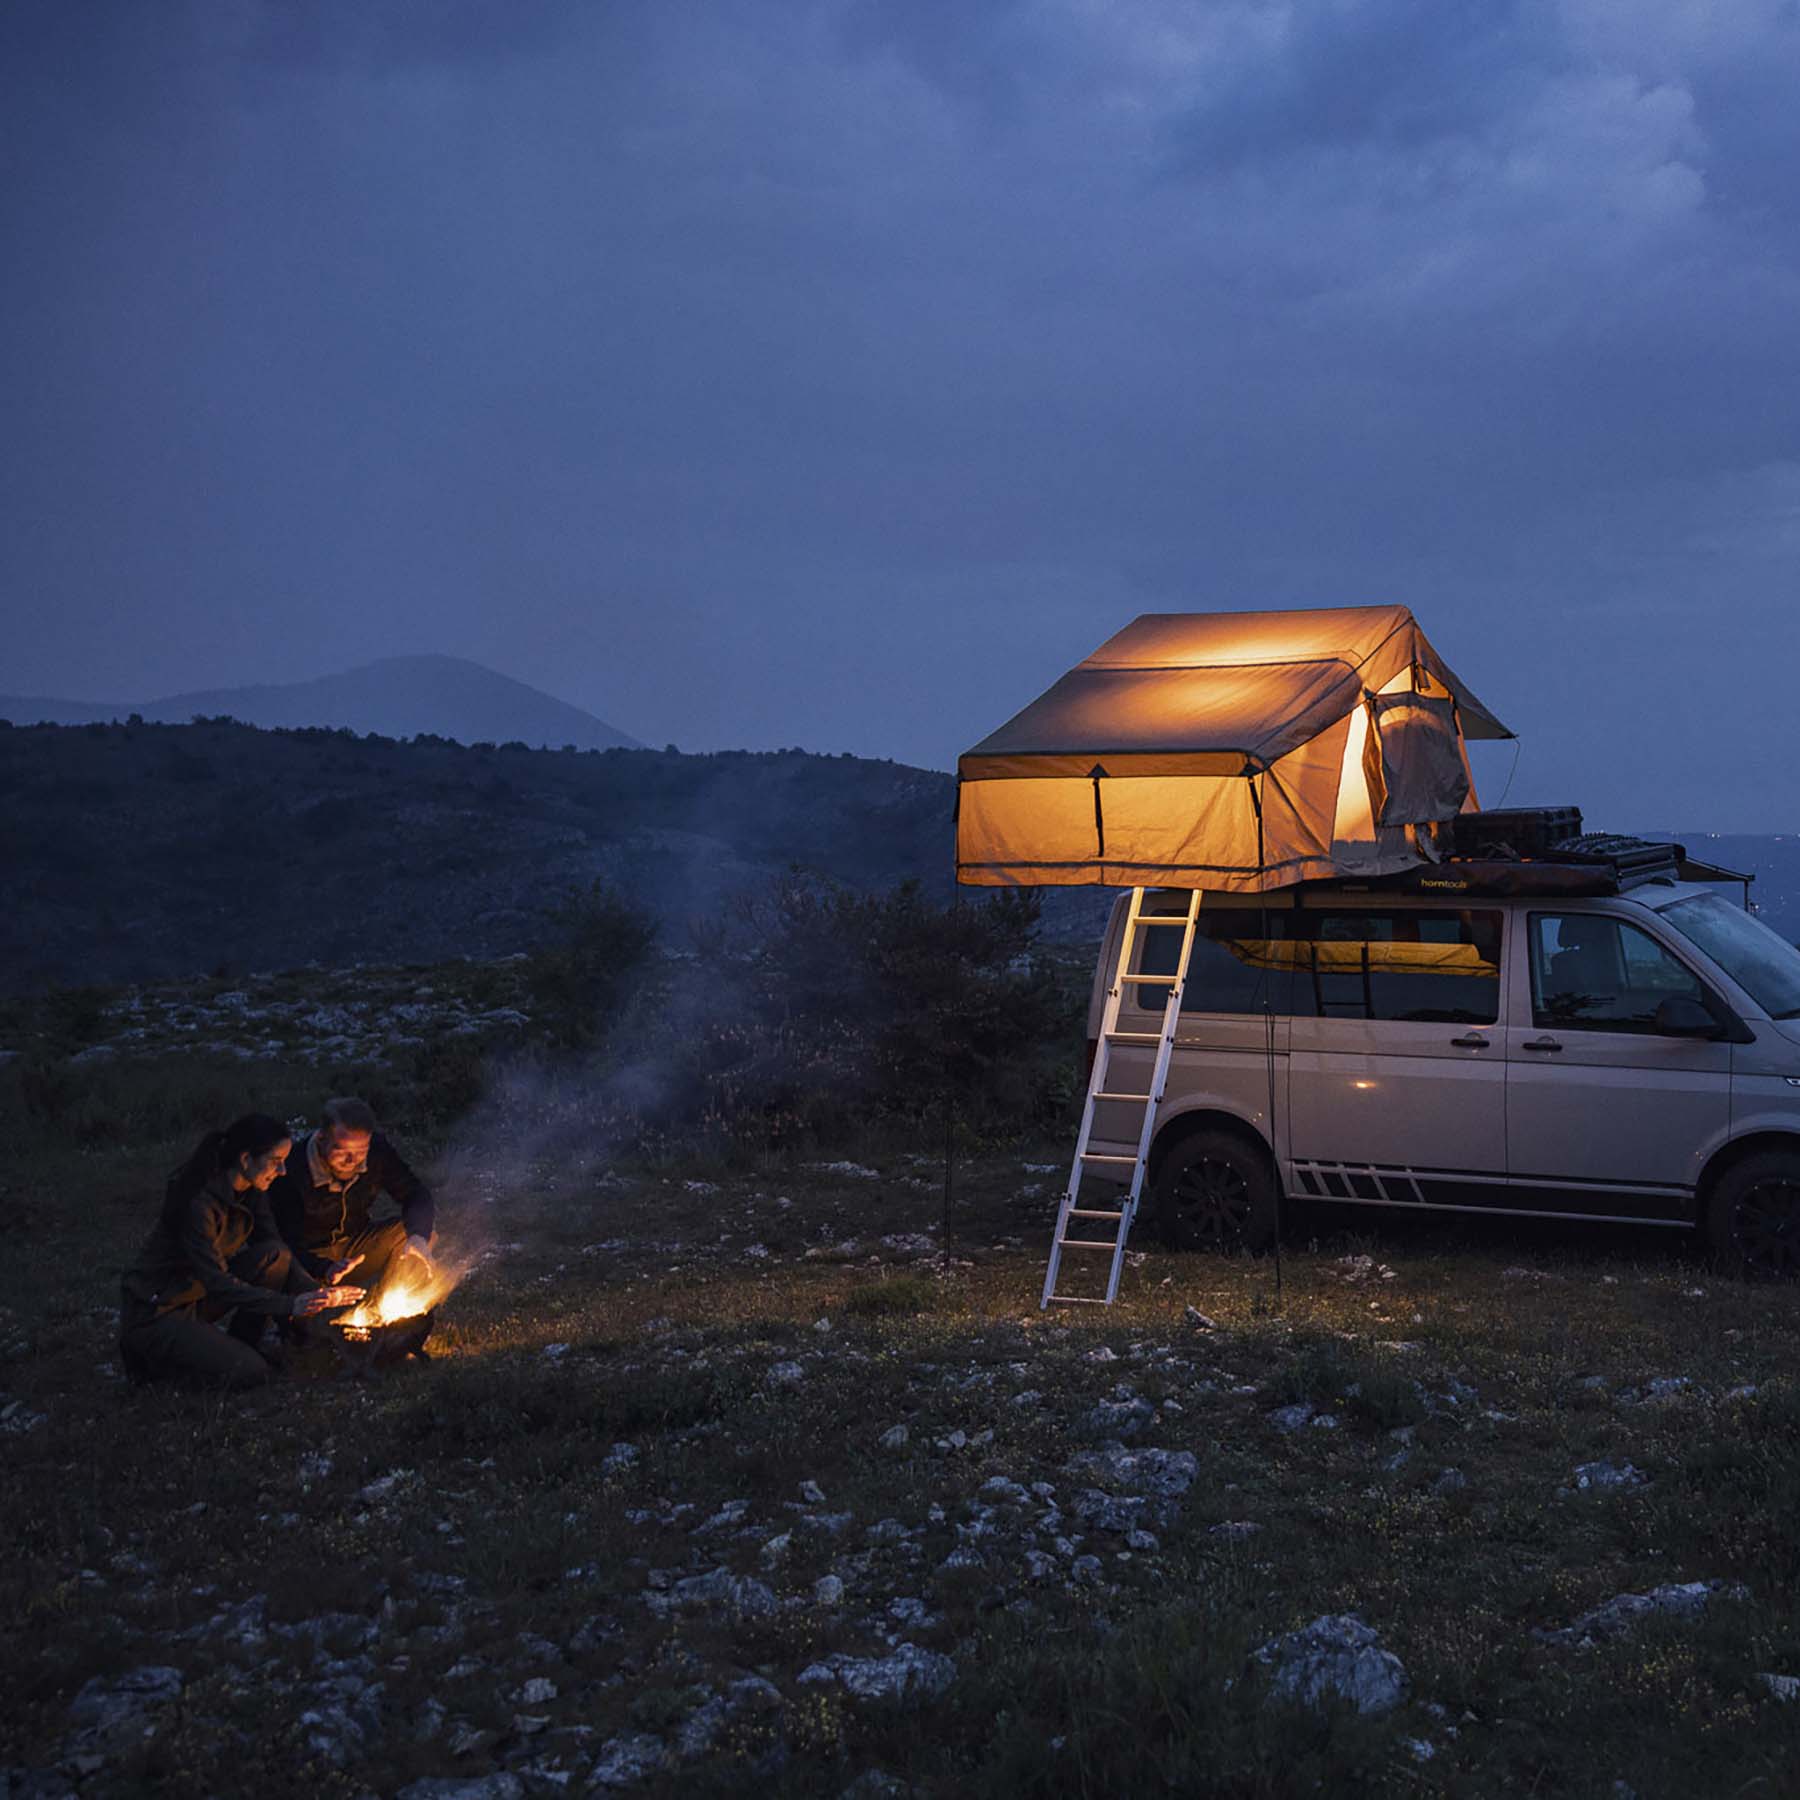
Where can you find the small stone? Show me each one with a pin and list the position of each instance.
(626, 1760)
(1234, 1530)
(501, 1785)
(1196, 1320)
(812, 1493)
(1781, 1687)
(1291, 1418)
(1451, 1481)
(828, 1590)
(786, 1374)
(1605, 1474)
(536, 1691)
(908, 1676)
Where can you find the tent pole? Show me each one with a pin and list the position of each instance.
(1262, 871)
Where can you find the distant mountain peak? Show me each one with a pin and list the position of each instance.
(397, 696)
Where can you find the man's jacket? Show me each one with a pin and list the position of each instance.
(316, 1218)
(185, 1260)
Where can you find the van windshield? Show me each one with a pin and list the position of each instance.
(1765, 965)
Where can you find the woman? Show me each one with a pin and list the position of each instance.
(215, 1252)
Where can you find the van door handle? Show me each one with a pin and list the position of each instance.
(1543, 1043)
(1470, 1040)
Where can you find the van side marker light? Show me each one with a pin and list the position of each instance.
(1792, 1080)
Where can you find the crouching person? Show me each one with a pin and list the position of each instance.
(324, 1199)
(215, 1256)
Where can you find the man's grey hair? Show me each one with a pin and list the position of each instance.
(347, 1113)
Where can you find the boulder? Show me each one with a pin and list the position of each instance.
(1335, 1658)
(907, 1676)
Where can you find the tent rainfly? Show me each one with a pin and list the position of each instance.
(1230, 751)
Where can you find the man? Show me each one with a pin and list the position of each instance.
(323, 1198)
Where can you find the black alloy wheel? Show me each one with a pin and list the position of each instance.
(1765, 1227)
(1753, 1218)
(1215, 1193)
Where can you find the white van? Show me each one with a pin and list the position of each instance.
(1633, 1056)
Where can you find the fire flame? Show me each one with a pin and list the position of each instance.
(415, 1286)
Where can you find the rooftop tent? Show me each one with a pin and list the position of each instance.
(1230, 751)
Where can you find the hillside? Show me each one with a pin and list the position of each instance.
(137, 851)
(399, 696)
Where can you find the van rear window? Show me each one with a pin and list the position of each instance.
(1437, 966)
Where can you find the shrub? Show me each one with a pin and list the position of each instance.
(598, 942)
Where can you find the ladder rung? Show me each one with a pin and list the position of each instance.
(1180, 919)
(1080, 1299)
(1133, 1037)
(1088, 1244)
(1143, 1099)
(1087, 1212)
(1105, 1156)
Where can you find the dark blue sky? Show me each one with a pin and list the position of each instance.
(837, 372)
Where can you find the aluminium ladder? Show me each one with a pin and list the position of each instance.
(1137, 923)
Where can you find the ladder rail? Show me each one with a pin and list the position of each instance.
(1137, 924)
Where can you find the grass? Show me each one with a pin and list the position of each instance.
(136, 1519)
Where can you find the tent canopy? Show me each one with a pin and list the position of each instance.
(1238, 751)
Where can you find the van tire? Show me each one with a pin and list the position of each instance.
(1214, 1191)
(1753, 1217)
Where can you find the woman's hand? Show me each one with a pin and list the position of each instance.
(326, 1299)
(339, 1270)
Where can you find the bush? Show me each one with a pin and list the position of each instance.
(599, 941)
(845, 1007)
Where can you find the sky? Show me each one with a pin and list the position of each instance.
(836, 373)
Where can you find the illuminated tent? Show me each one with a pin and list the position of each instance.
(1231, 751)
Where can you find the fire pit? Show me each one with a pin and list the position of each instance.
(394, 1322)
(365, 1347)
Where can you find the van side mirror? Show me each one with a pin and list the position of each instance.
(1680, 1016)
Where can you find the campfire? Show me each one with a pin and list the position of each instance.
(415, 1287)
(396, 1320)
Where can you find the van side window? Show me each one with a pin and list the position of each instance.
(1423, 967)
(1592, 973)
(1442, 965)
(1241, 962)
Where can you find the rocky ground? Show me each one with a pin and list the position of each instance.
(726, 1480)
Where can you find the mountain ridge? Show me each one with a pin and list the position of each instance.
(428, 694)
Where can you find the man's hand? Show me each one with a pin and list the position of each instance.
(326, 1299)
(339, 1270)
(419, 1247)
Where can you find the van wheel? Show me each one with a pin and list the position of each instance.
(1753, 1217)
(1215, 1192)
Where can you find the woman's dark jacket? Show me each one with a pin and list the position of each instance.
(185, 1260)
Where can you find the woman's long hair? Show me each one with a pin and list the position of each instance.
(255, 1133)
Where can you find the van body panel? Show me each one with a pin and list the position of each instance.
(1357, 1088)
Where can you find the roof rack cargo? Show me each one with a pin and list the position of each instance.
(1514, 831)
(1632, 860)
